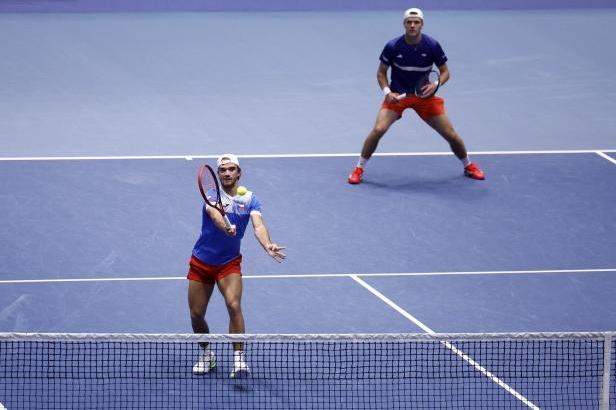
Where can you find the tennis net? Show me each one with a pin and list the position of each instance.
(342, 371)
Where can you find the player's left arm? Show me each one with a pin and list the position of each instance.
(444, 73)
(262, 236)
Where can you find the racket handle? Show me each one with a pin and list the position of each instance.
(401, 96)
(227, 222)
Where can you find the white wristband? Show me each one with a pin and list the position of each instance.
(386, 91)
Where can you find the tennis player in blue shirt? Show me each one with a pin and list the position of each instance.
(216, 259)
(410, 56)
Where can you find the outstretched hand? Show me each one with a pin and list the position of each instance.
(275, 252)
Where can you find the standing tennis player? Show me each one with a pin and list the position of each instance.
(216, 259)
(409, 57)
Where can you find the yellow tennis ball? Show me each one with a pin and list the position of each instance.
(241, 190)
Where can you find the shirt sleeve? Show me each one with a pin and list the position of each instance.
(255, 205)
(439, 55)
(386, 54)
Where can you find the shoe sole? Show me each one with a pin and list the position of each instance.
(471, 176)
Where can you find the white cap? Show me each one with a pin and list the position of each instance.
(414, 12)
(226, 158)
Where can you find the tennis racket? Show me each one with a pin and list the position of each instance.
(210, 190)
(431, 77)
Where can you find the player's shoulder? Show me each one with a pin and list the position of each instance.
(249, 198)
(253, 203)
(395, 42)
(429, 40)
(254, 200)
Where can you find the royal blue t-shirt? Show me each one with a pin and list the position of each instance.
(409, 62)
(214, 247)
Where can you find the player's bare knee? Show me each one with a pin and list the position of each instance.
(379, 131)
(197, 313)
(234, 306)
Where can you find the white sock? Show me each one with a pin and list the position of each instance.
(362, 162)
(465, 161)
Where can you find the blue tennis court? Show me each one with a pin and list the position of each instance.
(107, 117)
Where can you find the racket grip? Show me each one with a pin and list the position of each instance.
(401, 96)
(227, 222)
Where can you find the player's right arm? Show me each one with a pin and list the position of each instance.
(381, 77)
(219, 221)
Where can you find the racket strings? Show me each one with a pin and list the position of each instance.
(431, 77)
(209, 184)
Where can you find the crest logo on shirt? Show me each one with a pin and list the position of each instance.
(241, 203)
(399, 56)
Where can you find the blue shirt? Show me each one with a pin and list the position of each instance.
(409, 62)
(214, 247)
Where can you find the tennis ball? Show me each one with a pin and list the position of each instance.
(241, 190)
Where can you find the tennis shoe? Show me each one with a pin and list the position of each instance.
(355, 177)
(473, 171)
(205, 363)
(240, 368)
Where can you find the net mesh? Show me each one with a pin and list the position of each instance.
(612, 383)
(71, 371)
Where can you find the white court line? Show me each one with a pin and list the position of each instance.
(448, 345)
(602, 154)
(190, 157)
(315, 275)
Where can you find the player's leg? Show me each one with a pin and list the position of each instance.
(442, 125)
(231, 288)
(385, 118)
(199, 294)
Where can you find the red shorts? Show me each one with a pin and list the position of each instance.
(424, 107)
(202, 272)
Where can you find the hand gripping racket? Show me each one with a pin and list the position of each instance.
(431, 77)
(210, 190)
